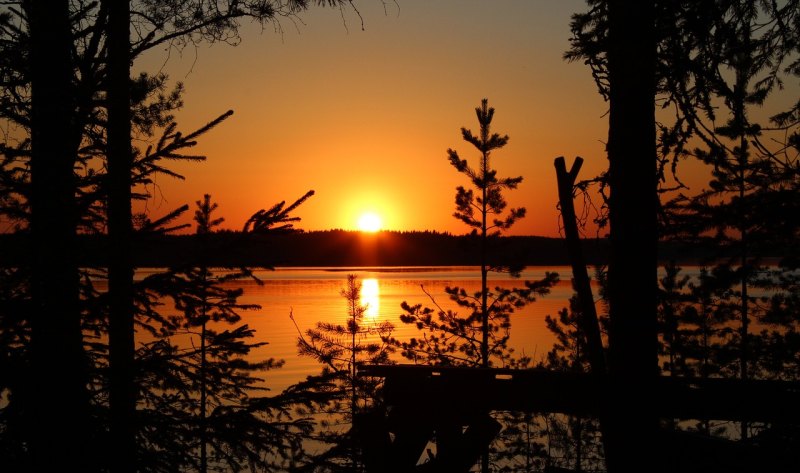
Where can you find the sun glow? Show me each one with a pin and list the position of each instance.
(369, 222)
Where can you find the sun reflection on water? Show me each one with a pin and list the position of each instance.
(370, 297)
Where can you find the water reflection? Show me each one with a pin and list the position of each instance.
(313, 295)
(371, 297)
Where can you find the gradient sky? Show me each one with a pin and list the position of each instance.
(364, 117)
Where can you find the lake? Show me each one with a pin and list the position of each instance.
(314, 294)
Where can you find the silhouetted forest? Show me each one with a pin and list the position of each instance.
(343, 248)
(323, 248)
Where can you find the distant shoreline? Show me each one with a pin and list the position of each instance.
(337, 249)
(332, 248)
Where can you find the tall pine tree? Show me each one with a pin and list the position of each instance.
(480, 338)
(341, 349)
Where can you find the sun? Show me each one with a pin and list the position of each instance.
(369, 222)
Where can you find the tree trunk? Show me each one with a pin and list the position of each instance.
(120, 268)
(484, 263)
(580, 277)
(633, 210)
(588, 321)
(484, 286)
(59, 409)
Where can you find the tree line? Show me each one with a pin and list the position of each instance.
(347, 248)
(317, 248)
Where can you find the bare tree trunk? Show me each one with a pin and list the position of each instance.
(484, 289)
(484, 267)
(633, 207)
(60, 421)
(588, 321)
(580, 277)
(743, 69)
(120, 270)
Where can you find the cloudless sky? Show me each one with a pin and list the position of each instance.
(364, 117)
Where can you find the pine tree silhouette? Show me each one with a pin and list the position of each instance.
(481, 337)
(341, 349)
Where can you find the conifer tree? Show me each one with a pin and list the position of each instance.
(202, 404)
(105, 108)
(479, 339)
(151, 109)
(717, 63)
(58, 430)
(341, 349)
(119, 162)
(754, 184)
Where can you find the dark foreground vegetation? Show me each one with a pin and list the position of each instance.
(661, 371)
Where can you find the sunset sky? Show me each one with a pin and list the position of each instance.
(364, 118)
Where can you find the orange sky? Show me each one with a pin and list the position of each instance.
(365, 117)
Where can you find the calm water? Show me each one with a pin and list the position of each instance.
(313, 294)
